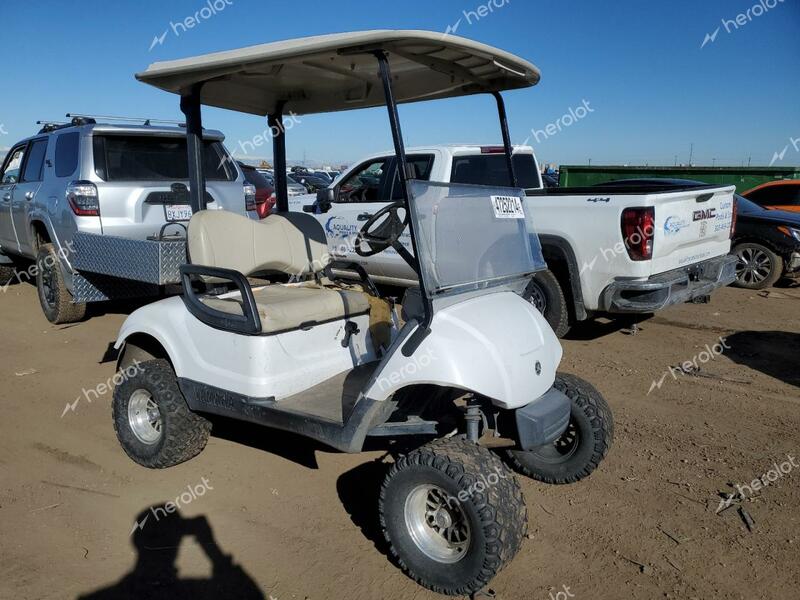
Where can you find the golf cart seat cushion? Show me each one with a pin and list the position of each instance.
(291, 243)
(283, 308)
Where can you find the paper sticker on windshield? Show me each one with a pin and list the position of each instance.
(507, 207)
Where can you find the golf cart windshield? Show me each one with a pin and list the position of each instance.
(473, 237)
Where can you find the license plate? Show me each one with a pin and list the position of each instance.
(178, 212)
(507, 207)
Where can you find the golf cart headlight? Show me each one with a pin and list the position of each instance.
(791, 232)
(249, 196)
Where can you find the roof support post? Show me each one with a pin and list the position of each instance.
(501, 109)
(190, 106)
(278, 132)
(404, 175)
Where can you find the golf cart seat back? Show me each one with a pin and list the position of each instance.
(290, 243)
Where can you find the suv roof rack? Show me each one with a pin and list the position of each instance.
(76, 121)
(144, 121)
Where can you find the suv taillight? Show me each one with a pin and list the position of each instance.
(83, 199)
(265, 208)
(734, 215)
(249, 196)
(638, 227)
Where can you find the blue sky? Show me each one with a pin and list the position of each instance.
(639, 66)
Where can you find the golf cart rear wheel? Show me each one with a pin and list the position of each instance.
(545, 294)
(581, 448)
(453, 515)
(152, 420)
(758, 266)
(56, 301)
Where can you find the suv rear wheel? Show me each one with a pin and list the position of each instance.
(54, 296)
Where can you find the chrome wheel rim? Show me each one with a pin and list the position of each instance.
(537, 297)
(754, 266)
(437, 524)
(144, 418)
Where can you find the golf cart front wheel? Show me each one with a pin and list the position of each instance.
(582, 446)
(154, 425)
(453, 515)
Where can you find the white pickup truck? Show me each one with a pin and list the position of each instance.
(609, 249)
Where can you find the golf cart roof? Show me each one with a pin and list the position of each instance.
(336, 72)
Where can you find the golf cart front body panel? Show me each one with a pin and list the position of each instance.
(336, 72)
(258, 366)
(496, 345)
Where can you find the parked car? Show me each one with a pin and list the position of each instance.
(264, 199)
(105, 179)
(312, 183)
(776, 195)
(324, 175)
(632, 248)
(767, 244)
(294, 187)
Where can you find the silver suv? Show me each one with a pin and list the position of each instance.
(113, 180)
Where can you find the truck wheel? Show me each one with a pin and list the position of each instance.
(758, 266)
(54, 296)
(453, 515)
(152, 420)
(546, 295)
(581, 447)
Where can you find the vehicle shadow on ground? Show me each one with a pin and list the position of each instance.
(774, 353)
(592, 329)
(359, 491)
(157, 540)
(291, 446)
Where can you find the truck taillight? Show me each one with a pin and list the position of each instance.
(249, 196)
(733, 216)
(83, 199)
(638, 228)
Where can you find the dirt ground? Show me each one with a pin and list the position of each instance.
(272, 516)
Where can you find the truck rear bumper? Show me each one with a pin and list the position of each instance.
(672, 287)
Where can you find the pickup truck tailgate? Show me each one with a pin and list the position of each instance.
(691, 226)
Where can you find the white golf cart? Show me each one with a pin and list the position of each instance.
(466, 363)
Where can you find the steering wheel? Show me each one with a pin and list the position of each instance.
(386, 235)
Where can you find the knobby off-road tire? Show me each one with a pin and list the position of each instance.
(56, 301)
(7, 273)
(149, 395)
(481, 500)
(581, 448)
(545, 294)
